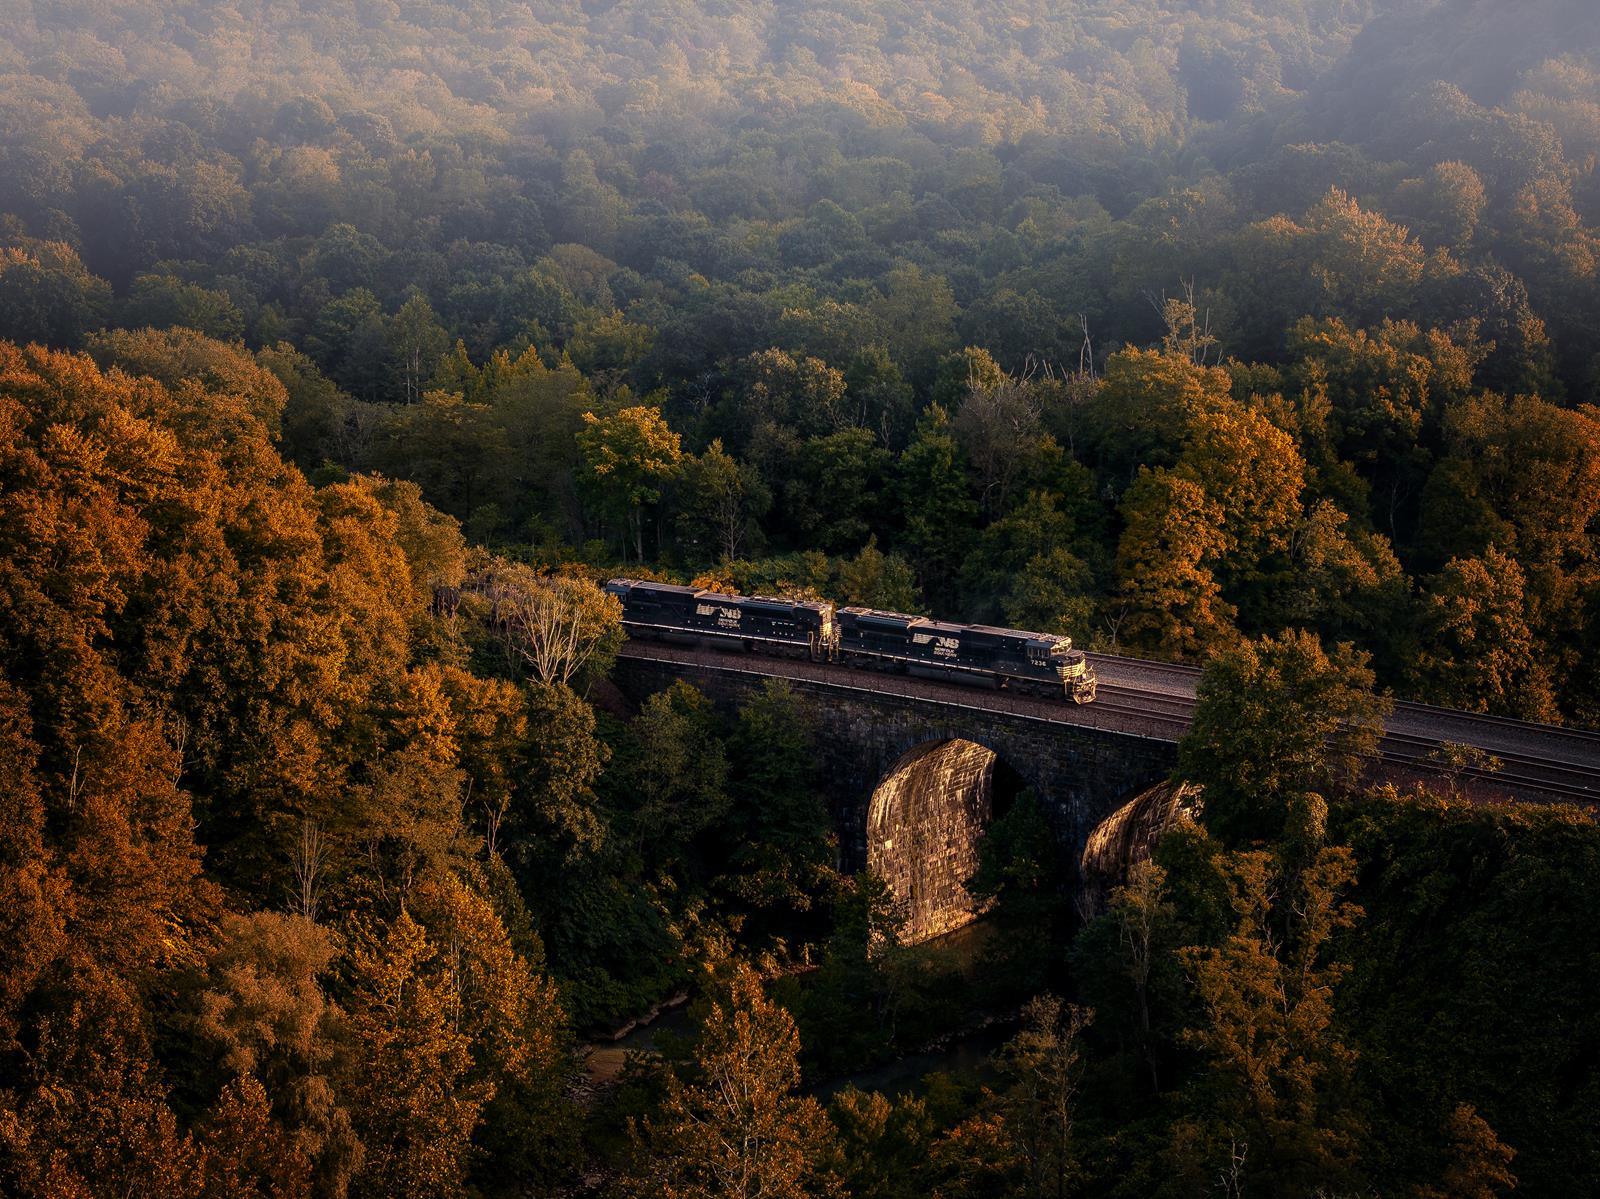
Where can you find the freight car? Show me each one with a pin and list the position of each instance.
(862, 638)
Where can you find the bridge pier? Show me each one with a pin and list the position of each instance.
(924, 823)
(872, 742)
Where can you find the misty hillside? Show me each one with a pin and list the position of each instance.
(1132, 71)
(378, 379)
(1481, 46)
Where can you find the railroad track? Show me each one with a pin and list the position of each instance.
(1479, 719)
(1157, 704)
(1517, 771)
(1156, 699)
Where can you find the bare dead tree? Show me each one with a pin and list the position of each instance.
(998, 425)
(1188, 327)
(1113, 621)
(1140, 907)
(306, 862)
(551, 628)
(496, 811)
(1230, 1181)
(551, 625)
(179, 743)
(76, 783)
(727, 509)
(703, 391)
(1086, 351)
(494, 818)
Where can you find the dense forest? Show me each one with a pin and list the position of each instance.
(344, 348)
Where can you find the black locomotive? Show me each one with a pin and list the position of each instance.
(860, 637)
(790, 628)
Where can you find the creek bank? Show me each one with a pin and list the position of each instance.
(605, 1053)
(671, 1003)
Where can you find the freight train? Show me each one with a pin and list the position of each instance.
(863, 638)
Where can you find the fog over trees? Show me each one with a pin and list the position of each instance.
(345, 349)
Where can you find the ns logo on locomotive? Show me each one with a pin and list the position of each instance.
(1039, 663)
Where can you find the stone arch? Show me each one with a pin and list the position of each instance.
(924, 822)
(1127, 836)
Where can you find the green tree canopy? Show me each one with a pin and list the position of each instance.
(1277, 717)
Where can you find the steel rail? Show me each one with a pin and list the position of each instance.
(906, 694)
(1131, 704)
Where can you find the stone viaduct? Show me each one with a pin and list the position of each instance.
(913, 780)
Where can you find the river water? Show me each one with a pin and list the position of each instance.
(605, 1059)
(966, 1055)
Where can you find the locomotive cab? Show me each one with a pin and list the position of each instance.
(825, 641)
(1073, 669)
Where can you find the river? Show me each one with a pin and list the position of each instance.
(967, 1054)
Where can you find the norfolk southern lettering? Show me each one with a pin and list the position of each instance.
(863, 638)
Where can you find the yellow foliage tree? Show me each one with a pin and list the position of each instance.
(1173, 536)
(732, 1127)
(409, 1080)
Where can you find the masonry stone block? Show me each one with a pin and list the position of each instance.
(909, 783)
